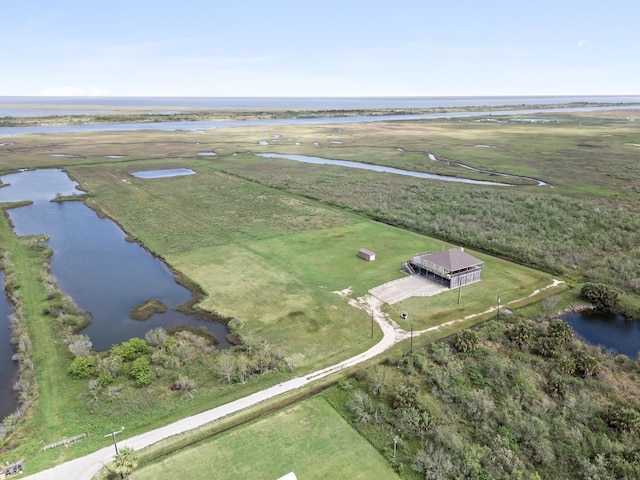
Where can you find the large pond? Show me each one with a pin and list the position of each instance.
(94, 264)
(610, 331)
(8, 368)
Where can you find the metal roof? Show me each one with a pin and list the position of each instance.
(453, 259)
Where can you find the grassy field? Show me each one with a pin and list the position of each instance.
(271, 241)
(274, 262)
(310, 439)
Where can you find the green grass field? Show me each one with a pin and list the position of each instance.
(274, 262)
(310, 439)
(271, 241)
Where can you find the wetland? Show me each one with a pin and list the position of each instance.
(93, 263)
(271, 241)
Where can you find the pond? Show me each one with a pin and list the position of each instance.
(608, 330)
(8, 368)
(94, 264)
(380, 168)
(167, 172)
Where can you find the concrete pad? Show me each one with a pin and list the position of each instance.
(412, 286)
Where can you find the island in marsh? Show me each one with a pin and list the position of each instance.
(145, 310)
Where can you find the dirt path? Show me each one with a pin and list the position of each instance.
(85, 468)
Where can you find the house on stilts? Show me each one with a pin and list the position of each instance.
(452, 268)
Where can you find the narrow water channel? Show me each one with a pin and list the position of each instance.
(397, 171)
(8, 368)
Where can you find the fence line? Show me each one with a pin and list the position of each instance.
(66, 442)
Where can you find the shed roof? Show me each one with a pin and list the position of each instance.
(453, 259)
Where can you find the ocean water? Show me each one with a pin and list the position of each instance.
(43, 106)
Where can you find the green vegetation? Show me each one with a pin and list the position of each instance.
(150, 114)
(308, 438)
(528, 401)
(147, 309)
(602, 297)
(125, 462)
(271, 246)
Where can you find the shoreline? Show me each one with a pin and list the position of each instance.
(154, 114)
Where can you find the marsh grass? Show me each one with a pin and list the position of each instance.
(270, 242)
(145, 310)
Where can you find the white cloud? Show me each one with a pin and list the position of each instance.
(74, 91)
(582, 42)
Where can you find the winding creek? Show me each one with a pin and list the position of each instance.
(398, 171)
(94, 264)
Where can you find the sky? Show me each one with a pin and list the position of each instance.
(290, 48)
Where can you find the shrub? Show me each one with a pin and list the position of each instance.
(561, 331)
(623, 417)
(557, 385)
(345, 385)
(105, 379)
(81, 367)
(157, 336)
(586, 365)
(109, 365)
(130, 350)
(521, 334)
(360, 404)
(183, 383)
(141, 372)
(602, 297)
(379, 378)
(466, 341)
(80, 346)
(547, 346)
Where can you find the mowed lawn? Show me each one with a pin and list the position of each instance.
(284, 289)
(275, 262)
(309, 439)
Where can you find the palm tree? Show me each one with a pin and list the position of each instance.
(125, 462)
(466, 341)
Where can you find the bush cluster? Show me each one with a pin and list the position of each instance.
(516, 398)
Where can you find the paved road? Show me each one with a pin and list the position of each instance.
(84, 468)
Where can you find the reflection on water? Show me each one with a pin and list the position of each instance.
(611, 331)
(168, 172)
(380, 168)
(92, 262)
(8, 368)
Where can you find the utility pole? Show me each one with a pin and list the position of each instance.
(459, 293)
(498, 306)
(411, 324)
(113, 435)
(372, 323)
